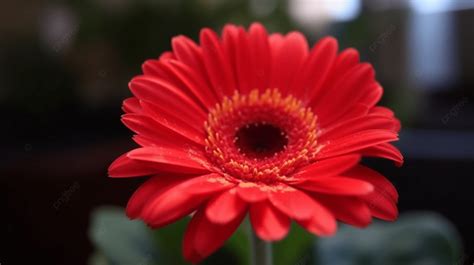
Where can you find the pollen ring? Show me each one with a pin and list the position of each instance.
(269, 114)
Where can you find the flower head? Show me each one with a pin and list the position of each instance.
(261, 124)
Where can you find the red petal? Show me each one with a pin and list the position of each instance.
(202, 237)
(267, 222)
(180, 200)
(367, 122)
(246, 74)
(217, 64)
(288, 56)
(381, 184)
(260, 54)
(275, 40)
(194, 88)
(322, 223)
(251, 193)
(383, 201)
(190, 54)
(159, 112)
(152, 67)
(148, 190)
(187, 51)
(229, 35)
(236, 42)
(308, 82)
(164, 93)
(344, 62)
(294, 203)
(337, 185)
(225, 207)
(385, 150)
(167, 55)
(170, 158)
(209, 183)
(160, 69)
(327, 167)
(131, 105)
(195, 83)
(382, 111)
(157, 133)
(346, 59)
(350, 210)
(124, 167)
(229, 31)
(142, 140)
(348, 91)
(382, 207)
(357, 111)
(193, 130)
(355, 142)
(373, 95)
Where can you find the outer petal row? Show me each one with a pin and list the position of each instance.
(165, 199)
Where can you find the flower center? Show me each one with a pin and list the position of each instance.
(261, 136)
(260, 140)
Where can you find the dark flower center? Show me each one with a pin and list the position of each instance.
(260, 140)
(261, 136)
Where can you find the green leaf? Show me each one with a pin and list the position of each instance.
(415, 239)
(239, 244)
(169, 241)
(120, 240)
(295, 248)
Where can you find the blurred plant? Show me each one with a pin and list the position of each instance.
(416, 239)
(420, 238)
(120, 241)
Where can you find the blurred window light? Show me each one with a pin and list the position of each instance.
(436, 6)
(317, 12)
(433, 61)
(58, 26)
(430, 6)
(343, 10)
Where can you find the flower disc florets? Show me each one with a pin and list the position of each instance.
(234, 136)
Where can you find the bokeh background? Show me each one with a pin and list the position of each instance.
(64, 69)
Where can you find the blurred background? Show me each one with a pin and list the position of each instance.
(64, 69)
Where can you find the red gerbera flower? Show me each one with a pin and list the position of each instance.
(257, 123)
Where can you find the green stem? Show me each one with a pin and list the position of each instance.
(261, 251)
